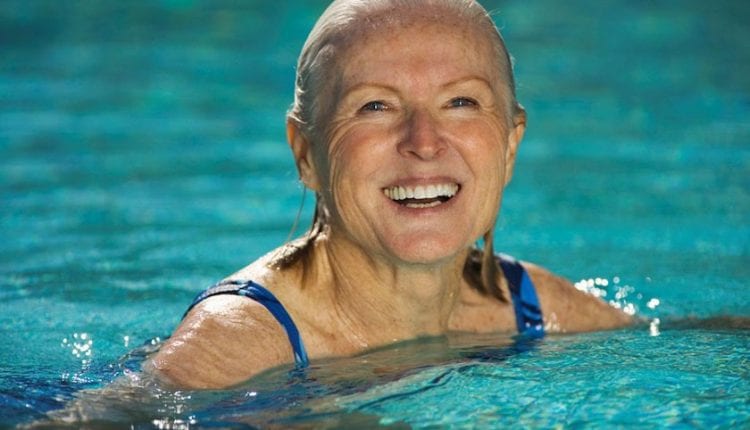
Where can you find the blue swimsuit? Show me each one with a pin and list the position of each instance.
(525, 303)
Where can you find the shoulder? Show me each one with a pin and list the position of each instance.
(223, 341)
(567, 309)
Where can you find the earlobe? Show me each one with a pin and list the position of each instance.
(514, 140)
(302, 151)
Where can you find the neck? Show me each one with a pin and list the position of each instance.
(380, 301)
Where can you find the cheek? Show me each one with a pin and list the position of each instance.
(341, 158)
(336, 157)
(485, 156)
(484, 151)
(357, 154)
(352, 162)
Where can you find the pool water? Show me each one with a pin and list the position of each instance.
(142, 158)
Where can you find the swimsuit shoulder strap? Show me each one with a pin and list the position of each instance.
(523, 293)
(256, 292)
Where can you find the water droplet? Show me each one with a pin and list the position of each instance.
(653, 327)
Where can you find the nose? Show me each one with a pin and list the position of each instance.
(422, 138)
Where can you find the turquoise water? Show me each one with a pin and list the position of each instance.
(143, 158)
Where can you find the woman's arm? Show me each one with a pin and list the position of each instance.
(223, 341)
(567, 309)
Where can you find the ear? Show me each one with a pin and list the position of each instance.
(514, 140)
(303, 157)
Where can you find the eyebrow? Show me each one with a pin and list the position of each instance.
(375, 85)
(468, 79)
(366, 86)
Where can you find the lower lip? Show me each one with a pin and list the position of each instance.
(425, 205)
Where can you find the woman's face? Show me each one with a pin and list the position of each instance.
(418, 145)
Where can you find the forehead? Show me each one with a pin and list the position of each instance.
(429, 46)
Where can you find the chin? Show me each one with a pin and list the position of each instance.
(426, 251)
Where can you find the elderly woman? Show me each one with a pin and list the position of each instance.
(406, 126)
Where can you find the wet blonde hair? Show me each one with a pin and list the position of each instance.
(347, 21)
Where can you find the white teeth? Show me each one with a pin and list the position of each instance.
(422, 192)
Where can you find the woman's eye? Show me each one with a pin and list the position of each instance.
(463, 102)
(374, 106)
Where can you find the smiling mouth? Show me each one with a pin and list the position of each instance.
(422, 196)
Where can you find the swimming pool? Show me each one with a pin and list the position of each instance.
(143, 159)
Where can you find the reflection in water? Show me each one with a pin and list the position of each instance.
(281, 396)
(473, 380)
